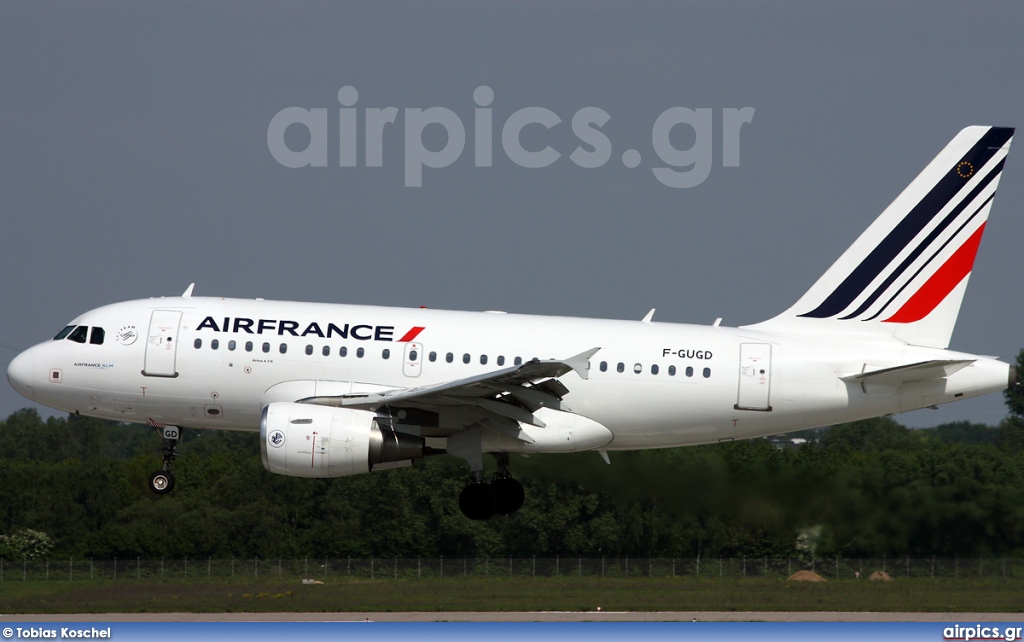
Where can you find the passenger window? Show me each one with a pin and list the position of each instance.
(284, 348)
(248, 346)
(64, 333)
(232, 344)
(343, 352)
(689, 371)
(96, 338)
(637, 368)
(465, 358)
(603, 367)
(360, 352)
(671, 371)
(214, 344)
(309, 349)
(432, 356)
(198, 343)
(501, 360)
(449, 357)
(654, 369)
(266, 347)
(413, 355)
(483, 359)
(386, 354)
(326, 351)
(79, 335)
(518, 361)
(621, 367)
(707, 373)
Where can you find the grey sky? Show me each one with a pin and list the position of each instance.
(134, 157)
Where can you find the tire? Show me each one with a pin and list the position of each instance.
(509, 495)
(477, 501)
(161, 482)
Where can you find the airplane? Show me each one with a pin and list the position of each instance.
(337, 390)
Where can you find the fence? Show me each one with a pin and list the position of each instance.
(454, 567)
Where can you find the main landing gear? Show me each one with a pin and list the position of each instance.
(162, 481)
(503, 496)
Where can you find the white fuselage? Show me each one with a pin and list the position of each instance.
(215, 363)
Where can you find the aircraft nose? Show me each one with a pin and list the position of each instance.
(20, 374)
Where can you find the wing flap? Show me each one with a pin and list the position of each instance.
(470, 391)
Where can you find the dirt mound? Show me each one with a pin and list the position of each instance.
(806, 576)
(880, 576)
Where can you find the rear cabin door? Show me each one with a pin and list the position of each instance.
(162, 344)
(755, 377)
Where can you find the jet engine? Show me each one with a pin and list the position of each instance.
(305, 440)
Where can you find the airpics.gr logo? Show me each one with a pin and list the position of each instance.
(681, 167)
(127, 335)
(276, 438)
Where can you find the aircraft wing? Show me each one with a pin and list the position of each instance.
(511, 393)
(935, 369)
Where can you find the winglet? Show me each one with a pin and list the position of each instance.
(187, 294)
(581, 362)
(650, 315)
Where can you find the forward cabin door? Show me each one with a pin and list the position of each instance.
(755, 377)
(162, 344)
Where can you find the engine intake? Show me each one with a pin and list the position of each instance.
(304, 440)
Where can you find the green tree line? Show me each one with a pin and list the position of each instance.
(868, 488)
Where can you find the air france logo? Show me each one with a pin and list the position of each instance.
(276, 439)
(281, 327)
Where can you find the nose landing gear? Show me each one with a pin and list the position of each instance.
(162, 481)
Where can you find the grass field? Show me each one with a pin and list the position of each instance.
(512, 594)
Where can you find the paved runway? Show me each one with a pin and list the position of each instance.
(530, 616)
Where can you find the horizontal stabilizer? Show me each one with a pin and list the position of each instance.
(935, 369)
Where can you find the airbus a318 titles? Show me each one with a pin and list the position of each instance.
(337, 390)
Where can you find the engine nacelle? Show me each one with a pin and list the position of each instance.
(305, 440)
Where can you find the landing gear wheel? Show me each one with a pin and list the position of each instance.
(477, 501)
(509, 495)
(161, 482)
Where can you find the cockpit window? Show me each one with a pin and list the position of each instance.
(80, 334)
(64, 333)
(96, 338)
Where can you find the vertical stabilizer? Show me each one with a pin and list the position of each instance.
(906, 275)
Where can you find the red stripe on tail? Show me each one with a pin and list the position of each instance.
(941, 283)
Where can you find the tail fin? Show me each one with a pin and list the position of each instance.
(906, 275)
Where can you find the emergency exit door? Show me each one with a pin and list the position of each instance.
(413, 363)
(755, 377)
